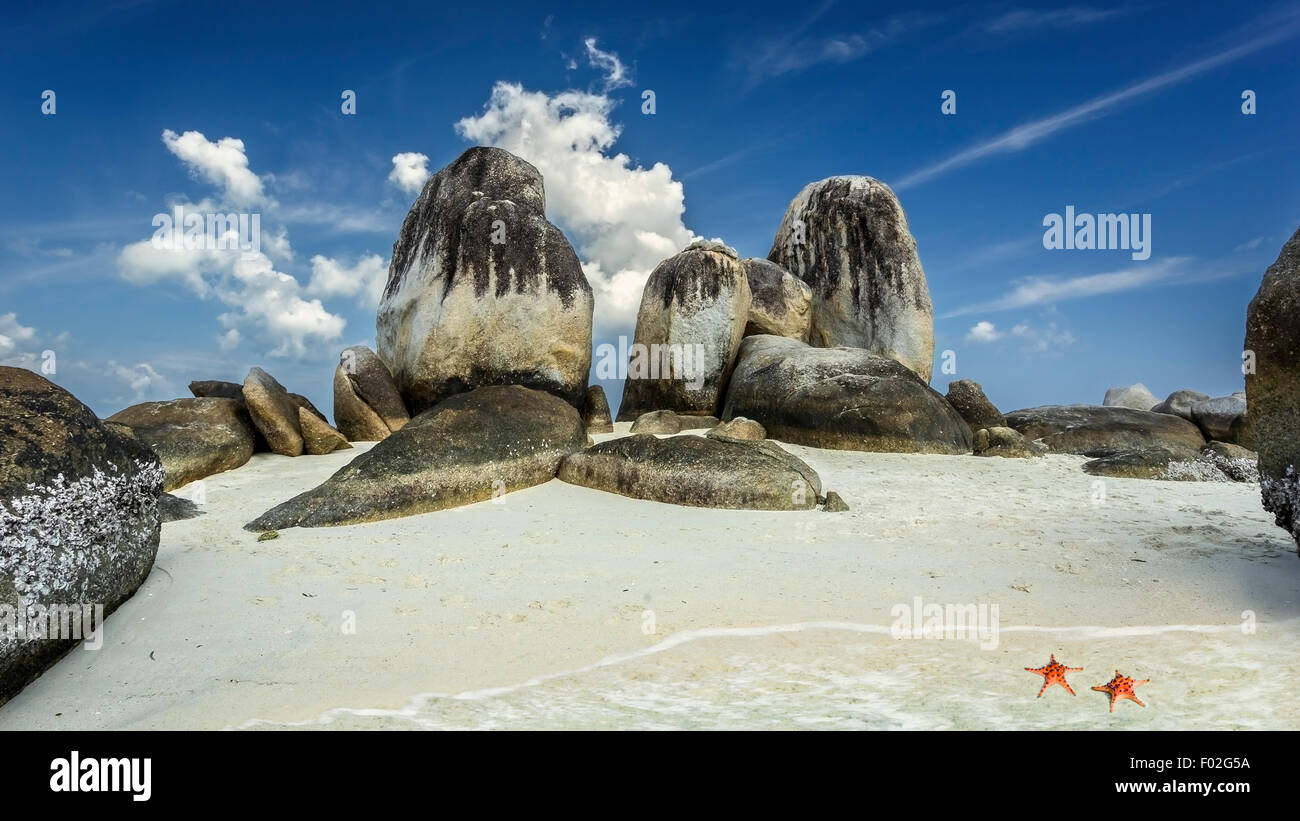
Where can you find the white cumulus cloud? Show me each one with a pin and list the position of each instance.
(365, 279)
(410, 171)
(268, 305)
(12, 334)
(623, 218)
(222, 163)
(984, 331)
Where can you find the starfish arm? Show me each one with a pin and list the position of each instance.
(1040, 692)
(1067, 687)
(1138, 700)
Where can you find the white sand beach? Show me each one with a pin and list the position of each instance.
(528, 612)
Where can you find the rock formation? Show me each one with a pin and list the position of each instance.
(692, 317)
(79, 519)
(1134, 396)
(1094, 430)
(1273, 385)
(781, 302)
(274, 414)
(968, 398)
(696, 471)
(845, 398)
(847, 237)
(595, 411)
(194, 438)
(470, 447)
(482, 290)
(367, 404)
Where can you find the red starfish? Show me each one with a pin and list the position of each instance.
(1120, 688)
(1054, 673)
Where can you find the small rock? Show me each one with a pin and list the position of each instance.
(835, 503)
(738, 429)
(661, 422)
(969, 400)
(595, 411)
(1004, 442)
(317, 436)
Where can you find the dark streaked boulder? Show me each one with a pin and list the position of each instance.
(1273, 385)
(844, 398)
(1094, 430)
(847, 237)
(468, 448)
(696, 471)
(689, 326)
(781, 303)
(79, 520)
(483, 290)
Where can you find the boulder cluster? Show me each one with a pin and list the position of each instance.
(479, 387)
(828, 342)
(479, 384)
(225, 423)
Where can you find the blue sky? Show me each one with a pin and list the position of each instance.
(1109, 108)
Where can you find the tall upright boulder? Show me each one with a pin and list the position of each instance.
(693, 314)
(274, 414)
(79, 522)
(1273, 388)
(847, 237)
(482, 290)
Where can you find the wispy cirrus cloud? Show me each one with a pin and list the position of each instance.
(1049, 290)
(1022, 20)
(616, 74)
(1276, 30)
(799, 49)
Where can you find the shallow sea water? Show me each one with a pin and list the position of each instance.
(858, 677)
